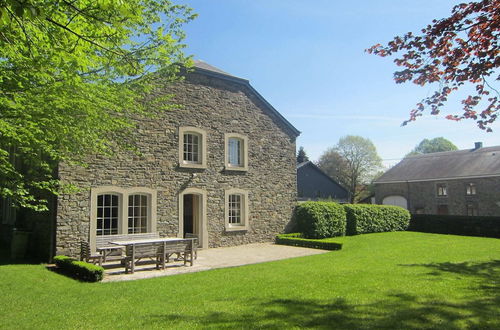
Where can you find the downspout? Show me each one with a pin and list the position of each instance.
(408, 195)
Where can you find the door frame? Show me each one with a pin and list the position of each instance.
(201, 214)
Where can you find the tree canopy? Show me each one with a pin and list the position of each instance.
(438, 144)
(72, 74)
(455, 52)
(353, 162)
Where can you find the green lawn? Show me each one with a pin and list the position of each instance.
(392, 280)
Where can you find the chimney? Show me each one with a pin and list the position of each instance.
(478, 145)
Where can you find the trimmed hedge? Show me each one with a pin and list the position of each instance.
(368, 218)
(295, 239)
(79, 269)
(320, 219)
(456, 225)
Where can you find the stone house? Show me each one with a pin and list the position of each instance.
(463, 182)
(222, 166)
(314, 184)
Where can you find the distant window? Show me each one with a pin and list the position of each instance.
(442, 209)
(441, 189)
(471, 209)
(470, 189)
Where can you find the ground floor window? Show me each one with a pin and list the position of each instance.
(471, 209)
(116, 210)
(107, 214)
(236, 210)
(137, 214)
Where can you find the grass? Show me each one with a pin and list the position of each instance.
(391, 280)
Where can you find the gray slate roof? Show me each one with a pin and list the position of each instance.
(482, 162)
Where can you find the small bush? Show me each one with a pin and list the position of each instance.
(295, 239)
(320, 219)
(79, 269)
(367, 218)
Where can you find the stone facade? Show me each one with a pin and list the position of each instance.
(422, 196)
(218, 106)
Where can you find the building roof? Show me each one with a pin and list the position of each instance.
(461, 164)
(209, 70)
(316, 168)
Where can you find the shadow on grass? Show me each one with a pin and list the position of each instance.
(5, 259)
(400, 311)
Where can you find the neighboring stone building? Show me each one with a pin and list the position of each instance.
(463, 182)
(314, 184)
(221, 166)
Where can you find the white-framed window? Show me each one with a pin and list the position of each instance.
(470, 189)
(120, 211)
(192, 147)
(138, 213)
(236, 152)
(441, 189)
(236, 210)
(108, 209)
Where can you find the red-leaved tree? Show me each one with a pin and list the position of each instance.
(453, 52)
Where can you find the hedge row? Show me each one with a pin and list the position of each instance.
(456, 225)
(328, 219)
(295, 239)
(79, 269)
(367, 218)
(320, 219)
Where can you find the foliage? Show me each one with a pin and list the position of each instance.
(352, 161)
(320, 219)
(456, 225)
(295, 239)
(79, 269)
(378, 281)
(366, 218)
(438, 144)
(455, 52)
(72, 74)
(302, 156)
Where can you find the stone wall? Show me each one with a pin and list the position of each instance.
(217, 106)
(422, 195)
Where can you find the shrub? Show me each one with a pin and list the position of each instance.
(79, 269)
(295, 239)
(456, 225)
(367, 218)
(320, 219)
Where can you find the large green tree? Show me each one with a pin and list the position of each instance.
(438, 144)
(353, 162)
(72, 74)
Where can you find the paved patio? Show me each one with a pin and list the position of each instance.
(212, 259)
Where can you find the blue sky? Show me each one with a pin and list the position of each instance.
(307, 59)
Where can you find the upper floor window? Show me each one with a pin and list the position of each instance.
(192, 147)
(470, 189)
(236, 152)
(441, 189)
(236, 212)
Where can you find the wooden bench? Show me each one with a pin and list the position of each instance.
(87, 256)
(182, 248)
(195, 239)
(115, 252)
(136, 252)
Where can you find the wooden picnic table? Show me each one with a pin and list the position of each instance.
(159, 248)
